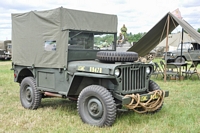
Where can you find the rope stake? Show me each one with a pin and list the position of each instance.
(148, 106)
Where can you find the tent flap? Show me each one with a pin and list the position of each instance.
(152, 38)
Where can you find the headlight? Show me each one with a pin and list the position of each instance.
(148, 70)
(171, 54)
(117, 72)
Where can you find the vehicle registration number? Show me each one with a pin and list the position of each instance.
(147, 97)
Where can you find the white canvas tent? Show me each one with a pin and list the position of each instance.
(174, 40)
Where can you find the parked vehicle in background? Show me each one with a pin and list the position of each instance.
(159, 51)
(190, 52)
(5, 50)
(124, 47)
(62, 60)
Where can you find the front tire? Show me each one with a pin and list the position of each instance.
(30, 97)
(96, 106)
(179, 60)
(152, 87)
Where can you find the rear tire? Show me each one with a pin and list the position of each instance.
(96, 106)
(30, 97)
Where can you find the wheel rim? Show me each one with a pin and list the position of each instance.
(180, 60)
(95, 108)
(28, 94)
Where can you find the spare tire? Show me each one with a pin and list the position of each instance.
(113, 56)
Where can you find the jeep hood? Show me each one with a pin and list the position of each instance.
(91, 66)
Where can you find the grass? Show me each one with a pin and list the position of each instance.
(180, 113)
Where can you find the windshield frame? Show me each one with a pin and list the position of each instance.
(88, 38)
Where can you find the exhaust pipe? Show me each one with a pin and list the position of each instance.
(52, 94)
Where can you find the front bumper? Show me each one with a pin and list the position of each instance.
(2, 57)
(144, 97)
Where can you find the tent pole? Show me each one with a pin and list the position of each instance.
(182, 43)
(166, 47)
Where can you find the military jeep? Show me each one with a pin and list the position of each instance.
(54, 55)
(190, 52)
(5, 50)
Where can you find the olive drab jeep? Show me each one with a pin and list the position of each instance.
(5, 50)
(190, 52)
(55, 55)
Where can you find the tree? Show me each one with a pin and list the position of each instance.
(198, 30)
(109, 38)
(100, 39)
(135, 37)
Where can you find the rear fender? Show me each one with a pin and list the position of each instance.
(20, 74)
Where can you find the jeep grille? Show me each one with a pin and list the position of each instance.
(133, 79)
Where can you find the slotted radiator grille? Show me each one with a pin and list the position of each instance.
(133, 78)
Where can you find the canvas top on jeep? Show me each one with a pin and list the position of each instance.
(47, 33)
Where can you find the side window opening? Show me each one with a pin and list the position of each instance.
(50, 45)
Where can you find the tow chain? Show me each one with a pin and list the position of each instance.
(148, 106)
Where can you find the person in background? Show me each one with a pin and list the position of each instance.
(121, 39)
(105, 44)
(124, 31)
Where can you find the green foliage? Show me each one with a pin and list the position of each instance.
(109, 38)
(135, 37)
(198, 30)
(180, 113)
(100, 39)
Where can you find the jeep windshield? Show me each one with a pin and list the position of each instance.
(186, 46)
(85, 40)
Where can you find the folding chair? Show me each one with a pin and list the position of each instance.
(162, 64)
(191, 71)
(171, 70)
(157, 70)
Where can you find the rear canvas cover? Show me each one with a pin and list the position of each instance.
(40, 38)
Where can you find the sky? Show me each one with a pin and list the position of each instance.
(138, 15)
